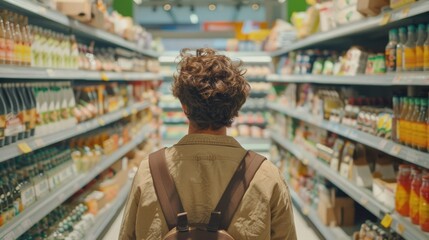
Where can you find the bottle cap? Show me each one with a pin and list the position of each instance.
(411, 28)
(394, 31)
(402, 30)
(423, 101)
(421, 27)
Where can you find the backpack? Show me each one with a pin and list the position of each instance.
(172, 208)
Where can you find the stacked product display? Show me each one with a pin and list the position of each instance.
(357, 114)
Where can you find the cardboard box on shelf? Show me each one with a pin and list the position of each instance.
(344, 209)
(335, 211)
(341, 4)
(97, 19)
(384, 191)
(371, 7)
(77, 9)
(348, 15)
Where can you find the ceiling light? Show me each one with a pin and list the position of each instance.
(194, 18)
(138, 2)
(167, 7)
(282, 1)
(212, 6)
(255, 6)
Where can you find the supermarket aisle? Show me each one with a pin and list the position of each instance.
(304, 231)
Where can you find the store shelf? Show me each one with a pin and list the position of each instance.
(171, 57)
(45, 205)
(13, 150)
(13, 72)
(175, 121)
(362, 26)
(170, 107)
(384, 145)
(399, 79)
(256, 78)
(255, 144)
(108, 213)
(59, 18)
(258, 94)
(329, 233)
(407, 229)
(361, 195)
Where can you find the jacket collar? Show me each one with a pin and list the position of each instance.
(208, 139)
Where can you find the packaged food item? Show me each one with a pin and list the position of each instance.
(410, 50)
(399, 3)
(421, 38)
(416, 183)
(371, 7)
(426, 51)
(400, 50)
(424, 204)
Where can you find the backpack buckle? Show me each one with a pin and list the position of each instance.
(182, 222)
(214, 222)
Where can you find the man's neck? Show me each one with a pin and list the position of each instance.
(194, 130)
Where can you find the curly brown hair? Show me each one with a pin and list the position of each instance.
(211, 86)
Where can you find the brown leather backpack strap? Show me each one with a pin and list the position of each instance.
(165, 188)
(237, 187)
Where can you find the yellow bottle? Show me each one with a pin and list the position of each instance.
(410, 50)
(426, 51)
(400, 49)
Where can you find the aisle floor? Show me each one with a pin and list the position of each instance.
(304, 231)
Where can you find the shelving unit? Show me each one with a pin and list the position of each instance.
(399, 79)
(384, 145)
(13, 150)
(362, 26)
(105, 217)
(33, 8)
(361, 195)
(12, 72)
(336, 233)
(45, 205)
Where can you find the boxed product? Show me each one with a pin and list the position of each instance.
(384, 191)
(97, 19)
(341, 4)
(371, 7)
(78, 9)
(399, 3)
(327, 16)
(95, 201)
(335, 211)
(348, 15)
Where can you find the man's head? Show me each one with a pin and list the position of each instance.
(211, 87)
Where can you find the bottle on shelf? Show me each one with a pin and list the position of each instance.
(410, 50)
(403, 123)
(414, 123)
(391, 51)
(395, 119)
(9, 39)
(421, 38)
(420, 127)
(426, 50)
(400, 49)
(402, 195)
(416, 182)
(2, 40)
(18, 41)
(424, 204)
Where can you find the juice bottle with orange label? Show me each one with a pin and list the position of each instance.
(426, 51)
(421, 38)
(415, 194)
(403, 187)
(424, 204)
(405, 123)
(420, 127)
(414, 120)
(410, 50)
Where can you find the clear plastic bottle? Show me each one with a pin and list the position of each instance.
(2, 41)
(19, 45)
(426, 51)
(9, 39)
(400, 49)
(410, 50)
(391, 51)
(421, 38)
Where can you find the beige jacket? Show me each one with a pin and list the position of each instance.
(202, 166)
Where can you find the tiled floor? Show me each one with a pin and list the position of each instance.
(304, 232)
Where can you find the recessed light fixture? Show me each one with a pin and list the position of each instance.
(138, 2)
(255, 6)
(282, 1)
(167, 7)
(212, 6)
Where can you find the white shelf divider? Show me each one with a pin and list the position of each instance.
(390, 79)
(384, 145)
(13, 150)
(33, 73)
(364, 25)
(33, 214)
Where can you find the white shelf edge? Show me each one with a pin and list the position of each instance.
(19, 225)
(327, 232)
(363, 25)
(12, 150)
(55, 16)
(406, 228)
(390, 79)
(103, 220)
(16, 72)
(381, 144)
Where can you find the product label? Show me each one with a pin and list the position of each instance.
(414, 205)
(26, 119)
(419, 57)
(13, 125)
(391, 59)
(409, 59)
(426, 57)
(424, 213)
(17, 52)
(41, 187)
(405, 131)
(399, 59)
(402, 199)
(33, 118)
(419, 135)
(28, 196)
(2, 125)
